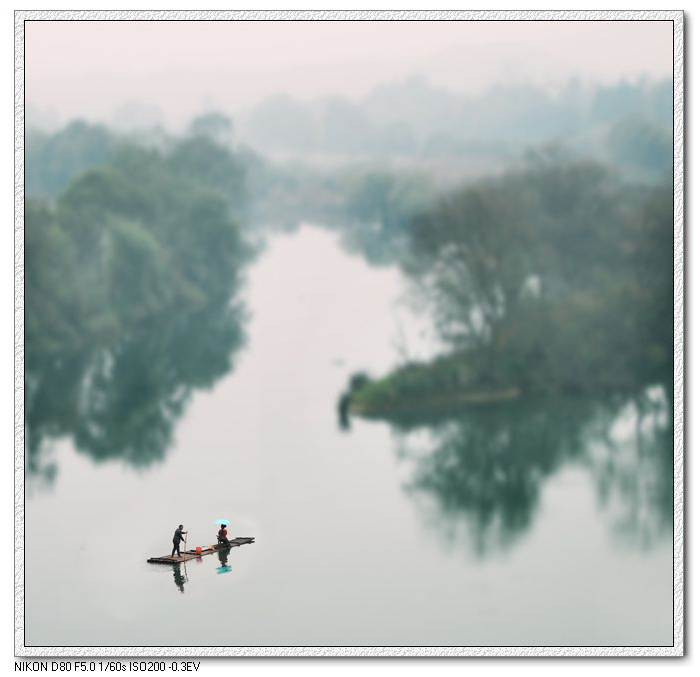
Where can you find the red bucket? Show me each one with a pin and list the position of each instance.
(199, 549)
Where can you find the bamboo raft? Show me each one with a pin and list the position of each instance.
(208, 550)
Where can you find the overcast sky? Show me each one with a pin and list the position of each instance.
(90, 69)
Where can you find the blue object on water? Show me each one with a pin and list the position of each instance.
(223, 570)
(222, 522)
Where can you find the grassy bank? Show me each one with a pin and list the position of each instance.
(446, 384)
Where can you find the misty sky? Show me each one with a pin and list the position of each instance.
(181, 68)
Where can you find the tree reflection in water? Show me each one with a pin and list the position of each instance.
(123, 402)
(483, 471)
(632, 463)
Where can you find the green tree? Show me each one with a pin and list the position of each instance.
(215, 126)
(543, 276)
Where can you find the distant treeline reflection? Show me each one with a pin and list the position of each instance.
(132, 284)
(483, 470)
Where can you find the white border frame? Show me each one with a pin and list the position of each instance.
(679, 386)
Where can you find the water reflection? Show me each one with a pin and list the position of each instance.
(483, 471)
(180, 577)
(633, 470)
(123, 402)
(224, 567)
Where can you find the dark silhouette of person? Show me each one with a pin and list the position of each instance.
(177, 537)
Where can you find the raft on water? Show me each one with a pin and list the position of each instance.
(206, 550)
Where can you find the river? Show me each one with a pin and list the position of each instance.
(359, 541)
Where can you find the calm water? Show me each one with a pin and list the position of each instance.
(526, 525)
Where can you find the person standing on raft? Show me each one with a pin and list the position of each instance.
(177, 537)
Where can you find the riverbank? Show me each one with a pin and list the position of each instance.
(450, 384)
(446, 384)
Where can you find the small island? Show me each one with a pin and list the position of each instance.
(553, 280)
